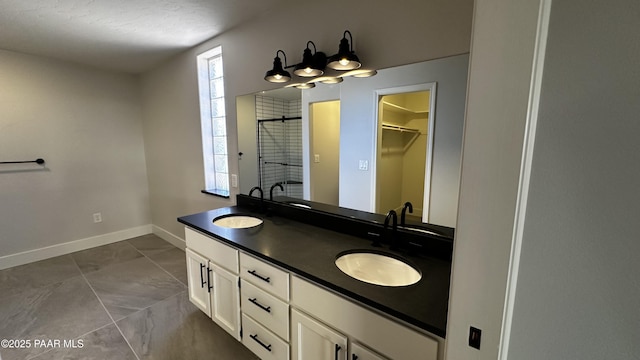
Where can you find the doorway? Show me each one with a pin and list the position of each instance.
(404, 150)
(324, 125)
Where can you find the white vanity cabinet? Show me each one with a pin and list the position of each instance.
(212, 270)
(360, 352)
(265, 308)
(369, 334)
(313, 340)
(280, 316)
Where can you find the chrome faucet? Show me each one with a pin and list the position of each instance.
(394, 216)
(406, 206)
(272, 187)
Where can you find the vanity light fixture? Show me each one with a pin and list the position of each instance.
(278, 74)
(360, 73)
(312, 65)
(308, 85)
(330, 79)
(345, 59)
(302, 86)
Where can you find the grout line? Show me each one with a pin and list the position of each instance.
(165, 270)
(107, 311)
(158, 265)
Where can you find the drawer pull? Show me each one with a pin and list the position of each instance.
(209, 287)
(255, 338)
(254, 273)
(202, 276)
(256, 303)
(338, 347)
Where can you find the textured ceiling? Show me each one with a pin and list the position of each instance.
(122, 35)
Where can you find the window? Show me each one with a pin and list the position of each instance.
(214, 122)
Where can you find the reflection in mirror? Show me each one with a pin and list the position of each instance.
(270, 142)
(340, 167)
(404, 149)
(324, 145)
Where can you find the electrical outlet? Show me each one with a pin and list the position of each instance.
(316, 158)
(234, 180)
(474, 337)
(97, 217)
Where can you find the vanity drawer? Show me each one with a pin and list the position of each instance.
(219, 253)
(265, 276)
(262, 342)
(270, 311)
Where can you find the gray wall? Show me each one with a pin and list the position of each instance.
(578, 293)
(546, 233)
(87, 125)
(171, 116)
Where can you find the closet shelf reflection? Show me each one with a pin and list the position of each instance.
(405, 130)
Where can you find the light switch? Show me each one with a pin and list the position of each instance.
(234, 180)
(363, 165)
(316, 158)
(475, 335)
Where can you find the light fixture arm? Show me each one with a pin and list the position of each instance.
(314, 46)
(284, 55)
(344, 36)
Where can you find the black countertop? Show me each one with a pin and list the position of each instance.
(310, 252)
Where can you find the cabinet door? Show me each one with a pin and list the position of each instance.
(197, 271)
(312, 340)
(359, 352)
(225, 300)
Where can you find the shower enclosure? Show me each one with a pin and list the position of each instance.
(279, 129)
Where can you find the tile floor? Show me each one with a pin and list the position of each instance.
(126, 300)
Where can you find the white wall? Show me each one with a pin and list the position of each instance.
(87, 126)
(504, 34)
(578, 292)
(171, 115)
(358, 132)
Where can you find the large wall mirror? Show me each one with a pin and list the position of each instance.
(368, 144)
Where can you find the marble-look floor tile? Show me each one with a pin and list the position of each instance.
(32, 276)
(150, 244)
(130, 286)
(102, 344)
(173, 261)
(61, 311)
(175, 329)
(97, 258)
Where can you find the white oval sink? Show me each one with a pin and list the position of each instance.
(237, 221)
(379, 269)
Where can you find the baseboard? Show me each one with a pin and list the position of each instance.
(30, 256)
(169, 237)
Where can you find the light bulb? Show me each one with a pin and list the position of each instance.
(277, 76)
(308, 70)
(344, 62)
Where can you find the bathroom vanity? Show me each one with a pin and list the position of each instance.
(276, 288)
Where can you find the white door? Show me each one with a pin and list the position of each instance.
(312, 340)
(197, 272)
(359, 352)
(225, 300)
